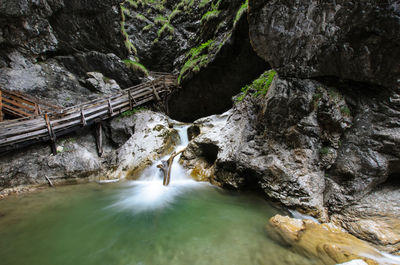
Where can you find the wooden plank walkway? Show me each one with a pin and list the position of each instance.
(44, 122)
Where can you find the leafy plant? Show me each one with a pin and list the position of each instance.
(324, 150)
(241, 11)
(259, 86)
(196, 58)
(133, 111)
(345, 111)
(136, 66)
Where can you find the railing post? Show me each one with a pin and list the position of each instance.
(110, 109)
(99, 138)
(83, 119)
(130, 100)
(51, 134)
(1, 106)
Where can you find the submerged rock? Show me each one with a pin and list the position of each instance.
(325, 241)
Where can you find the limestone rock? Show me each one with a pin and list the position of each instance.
(98, 83)
(325, 241)
(152, 139)
(356, 40)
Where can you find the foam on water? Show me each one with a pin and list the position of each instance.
(148, 193)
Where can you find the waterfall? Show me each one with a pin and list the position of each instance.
(149, 193)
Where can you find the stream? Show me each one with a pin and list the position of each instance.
(140, 222)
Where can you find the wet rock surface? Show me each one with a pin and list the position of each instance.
(151, 140)
(325, 241)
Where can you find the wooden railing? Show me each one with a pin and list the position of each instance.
(50, 125)
(19, 105)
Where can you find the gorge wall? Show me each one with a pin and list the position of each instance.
(325, 138)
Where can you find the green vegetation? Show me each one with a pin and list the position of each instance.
(241, 11)
(140, 17)
(160, 20)
(129, 113)
(132, 3)
(210, 15)
(174, 13)
(203, 3)
(213, 13)
(324, 150)
(345, 111)
(166, 27)
(259, 86)
(106, 79)
(316, 98)
(196, 58)
(148, 27)
(128, 44)
(136, 66)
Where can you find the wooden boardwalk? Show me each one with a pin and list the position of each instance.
(44, 122)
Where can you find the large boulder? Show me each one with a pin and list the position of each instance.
(325, 241)
(152, 139)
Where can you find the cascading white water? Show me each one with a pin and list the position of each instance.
(149, 193)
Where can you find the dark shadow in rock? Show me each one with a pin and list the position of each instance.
(209, 152)
(211, 90)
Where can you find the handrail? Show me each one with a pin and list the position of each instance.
(37, 127)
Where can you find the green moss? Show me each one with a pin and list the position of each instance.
(210, 15)
(148, 27)
(128, 44)
(140, 17)
(160, 20)
(240, 12)
(196, 58)
(259, 86)
(166, 27)
(132, 3)
(136, 66)
(324, 150)
(213, 13)
(106, 79)
(173, 14)
(316, 98)
(345, 111)
(203, 3)
(129, 113)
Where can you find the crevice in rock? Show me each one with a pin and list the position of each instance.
(209, 152)
(211, 90)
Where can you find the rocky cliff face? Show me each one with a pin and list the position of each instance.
(47, 47)
(325, 137)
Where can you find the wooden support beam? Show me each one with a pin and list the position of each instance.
(110, 109)
(83, 119)
(51, 134)
(156, 93)
(1, 107)
(130, 100)
(99, 138)
(36, 109)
